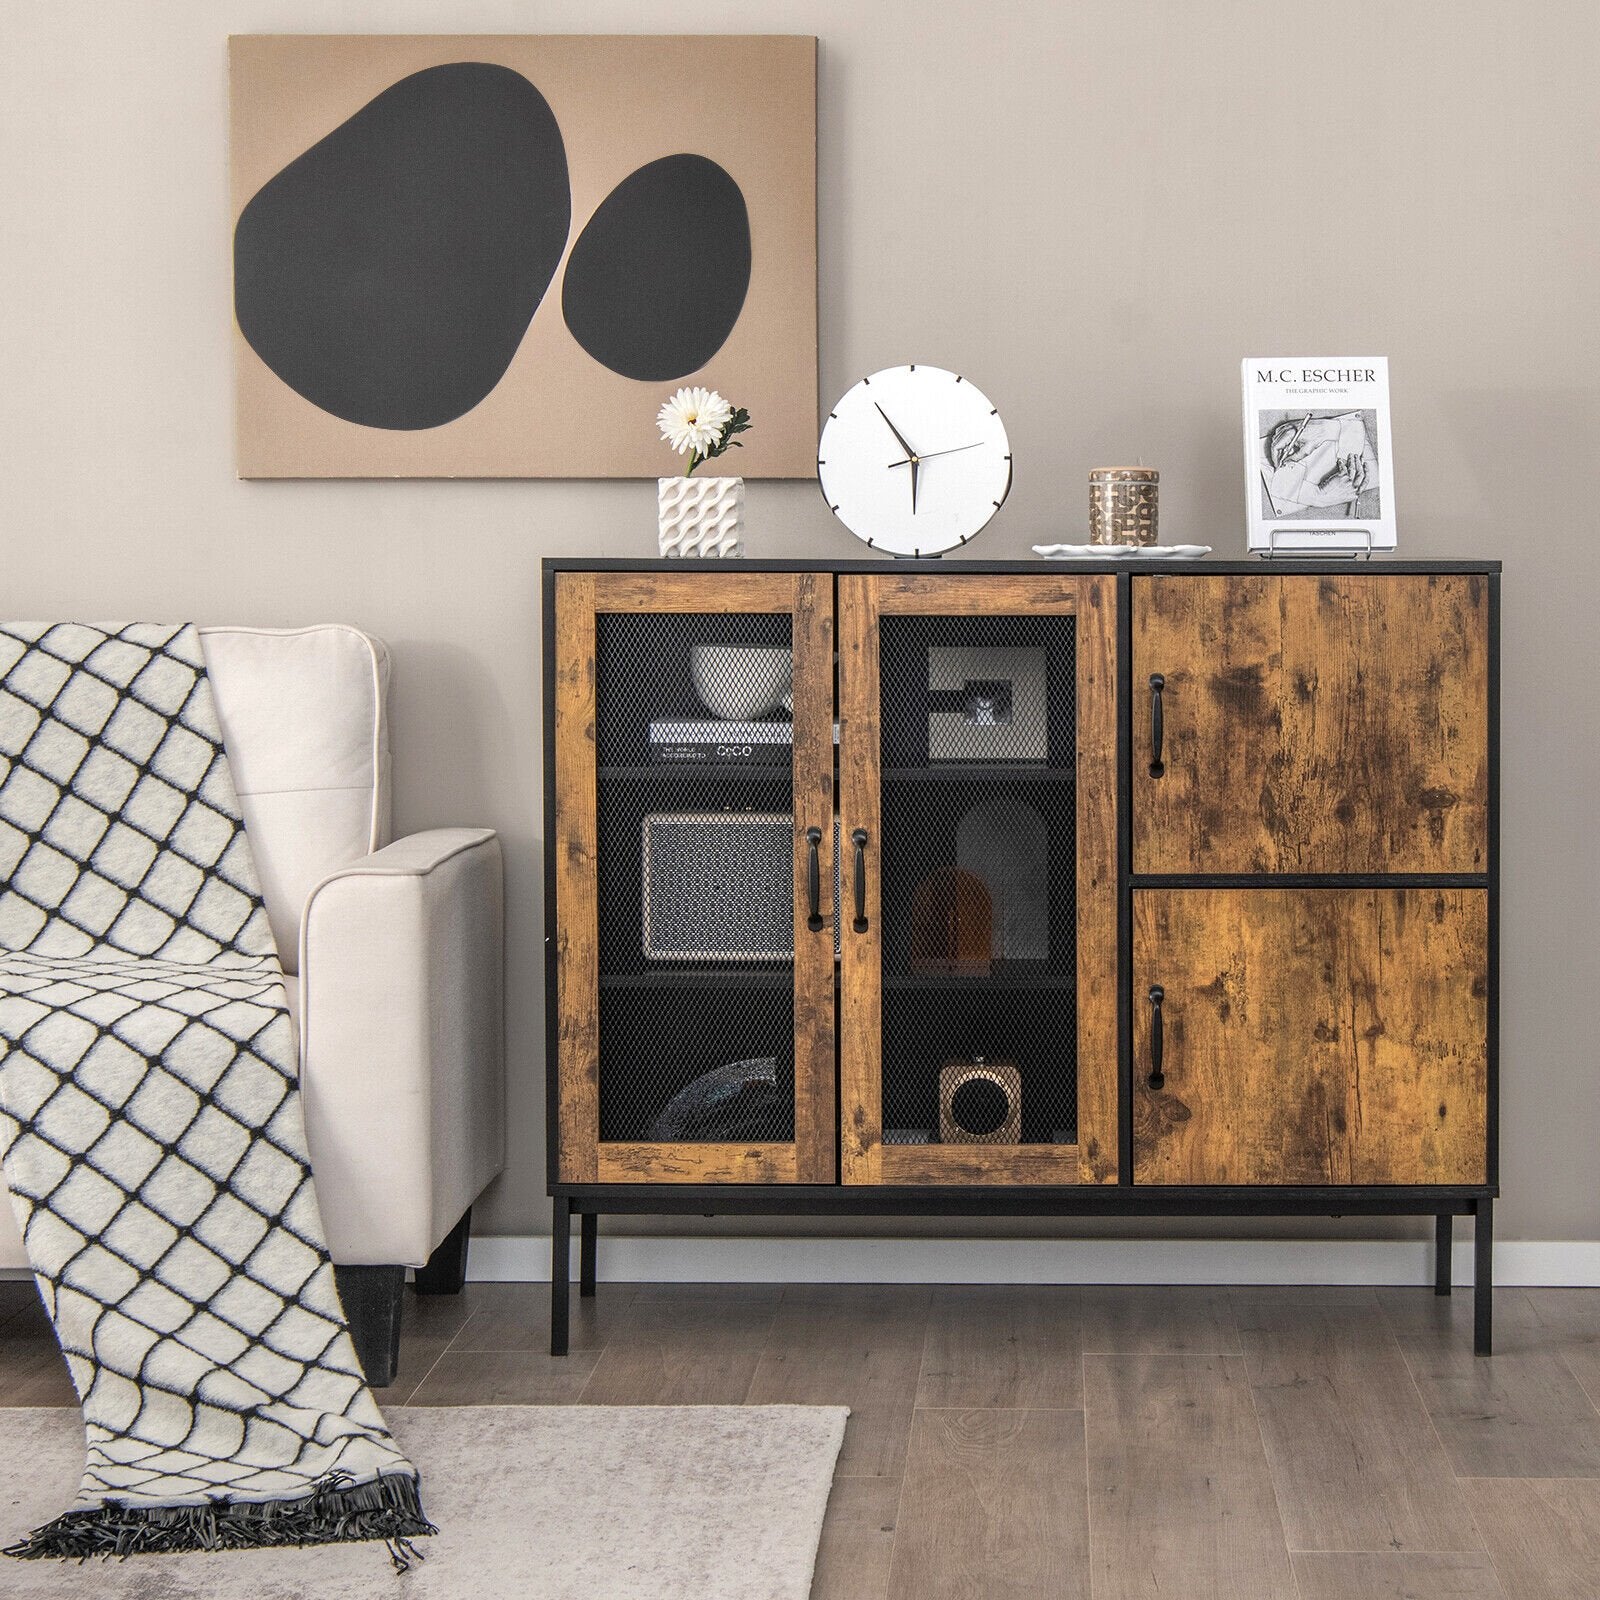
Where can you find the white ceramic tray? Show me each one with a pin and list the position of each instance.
(1147, 552)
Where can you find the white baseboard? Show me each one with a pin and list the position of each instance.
(1518, 1263)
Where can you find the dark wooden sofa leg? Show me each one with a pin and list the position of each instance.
(1443, 1239)
(445, 1271)
(1483, 1278)
(371, 1297)
(588, 1238)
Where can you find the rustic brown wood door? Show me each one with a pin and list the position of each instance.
(694, 877)
(978, 824)
(1310, 1036)
(1310, 724)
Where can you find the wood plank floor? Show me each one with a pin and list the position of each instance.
(1315, 1444)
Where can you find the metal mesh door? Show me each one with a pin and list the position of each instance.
(978, 865)
(694, 788)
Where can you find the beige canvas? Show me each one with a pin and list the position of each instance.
(747, 103)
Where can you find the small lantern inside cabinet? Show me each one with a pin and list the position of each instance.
(980, 1102)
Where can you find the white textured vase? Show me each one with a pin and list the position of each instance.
(700, 516)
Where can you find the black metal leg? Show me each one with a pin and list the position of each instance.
(588, 1230)
(446, 1269)
(560, 1273)
(1483, 1279)
(1443, 1238)
(371, 1298)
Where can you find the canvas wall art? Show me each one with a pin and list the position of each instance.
(493, 255)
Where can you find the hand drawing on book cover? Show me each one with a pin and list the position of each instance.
(1319, 464)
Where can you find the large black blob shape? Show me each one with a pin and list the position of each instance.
(659, 274)
(389, 273)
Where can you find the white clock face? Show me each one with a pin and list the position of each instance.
(914, 460)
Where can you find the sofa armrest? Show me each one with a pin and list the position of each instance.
(402, 1047)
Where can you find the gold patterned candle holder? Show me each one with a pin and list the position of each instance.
(1122, 505)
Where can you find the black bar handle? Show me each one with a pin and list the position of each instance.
(859, 839)
(814, 879)
(1158, 732)
(1157, 1043)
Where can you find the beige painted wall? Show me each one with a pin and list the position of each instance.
(1092, 208)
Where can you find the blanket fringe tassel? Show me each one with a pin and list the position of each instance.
(388, 1507)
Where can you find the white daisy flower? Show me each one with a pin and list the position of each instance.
(693, 420)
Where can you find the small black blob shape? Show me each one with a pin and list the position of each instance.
(389, 273)
(659, 274)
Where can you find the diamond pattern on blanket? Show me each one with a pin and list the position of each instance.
(114, 760)
(149, 1106)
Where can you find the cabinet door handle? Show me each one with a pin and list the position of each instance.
(859, 839)
(1157, 1043)
(1157, 725)
(814, 879)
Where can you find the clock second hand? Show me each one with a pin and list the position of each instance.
(929, 455)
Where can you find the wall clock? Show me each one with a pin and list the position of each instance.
(914, 460)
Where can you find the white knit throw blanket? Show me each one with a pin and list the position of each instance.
(151, 1122)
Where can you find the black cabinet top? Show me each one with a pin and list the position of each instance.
(1315, 565)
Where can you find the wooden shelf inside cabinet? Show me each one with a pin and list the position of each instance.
(779, 978)
(964, 985)
(980, 772)
(675, 771)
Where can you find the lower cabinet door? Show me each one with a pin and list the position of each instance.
(1310, 1036)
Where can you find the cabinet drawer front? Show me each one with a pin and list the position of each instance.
(1311, 724)
(1311, 1036)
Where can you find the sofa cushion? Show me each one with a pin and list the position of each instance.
(303, 716)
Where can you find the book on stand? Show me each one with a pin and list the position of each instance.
(1319, 470)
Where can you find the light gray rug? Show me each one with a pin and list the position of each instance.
(532, 1503)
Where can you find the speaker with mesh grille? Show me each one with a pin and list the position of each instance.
(980, 1102)
(719, 886)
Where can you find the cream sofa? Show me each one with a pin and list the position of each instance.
(392, 952)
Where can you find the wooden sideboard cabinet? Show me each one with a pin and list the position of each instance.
(1021, 888)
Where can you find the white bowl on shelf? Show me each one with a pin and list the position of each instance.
(741, 682)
